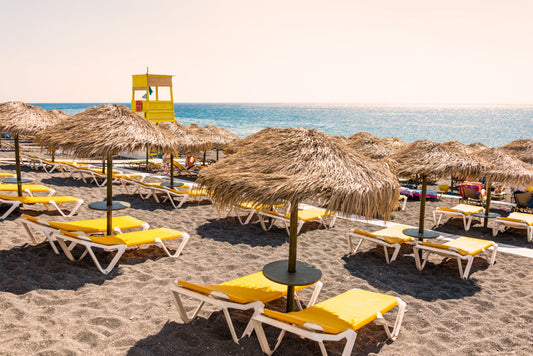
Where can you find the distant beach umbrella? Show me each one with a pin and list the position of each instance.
(59, 115)
(188, 142)
(459, 146)
(521, 148)
(299, 164)
(225, 136)
(476, 146)
(505, 168)
(362, 135)
(377, 149)
(19, 118)
(106, 131)
(430, 158)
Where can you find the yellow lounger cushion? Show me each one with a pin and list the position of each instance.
(100, 171)
(90, 226)
(7, 175)
(464, 245)
(393, 234)
(311, 214)
(464, 208)
(131, 238)
(246, 289)
(520, 217)
(258, 206)
(191, 191)
(127, 175)
(30, 187)
(349, 310)
(37, 200)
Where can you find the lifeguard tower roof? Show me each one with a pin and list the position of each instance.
(143, 100)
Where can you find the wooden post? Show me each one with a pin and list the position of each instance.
(109, 199)
(17, 165)
(422, 204)
(293, 242)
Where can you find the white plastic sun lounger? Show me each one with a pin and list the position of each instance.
(244, 293)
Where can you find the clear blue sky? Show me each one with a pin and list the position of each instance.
(380, 51)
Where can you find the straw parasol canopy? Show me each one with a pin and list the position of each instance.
(459, 146)
(521, 148)
(506, 169)
(424, 158)
(362, 135)
(188, 141)
(106, 131)
(225, 136)
(296, 165)
(477, 146)
(20, 118)
(59, 115)
(377, 149)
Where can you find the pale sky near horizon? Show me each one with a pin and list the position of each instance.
(380, 51)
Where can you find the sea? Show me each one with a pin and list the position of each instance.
(490, 125)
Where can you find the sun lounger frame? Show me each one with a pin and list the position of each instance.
(223, 302)
(451, 252)
(312, 334)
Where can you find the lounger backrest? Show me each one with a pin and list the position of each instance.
(522, 199)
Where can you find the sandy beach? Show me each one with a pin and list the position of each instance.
(53, 306)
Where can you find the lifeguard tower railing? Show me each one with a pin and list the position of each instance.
(154, 110)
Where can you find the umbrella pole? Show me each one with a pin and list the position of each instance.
(171, 171)
(17, 165)
(293, 241)
(422, 204)
(147, 154)
(204, 158)
(487, 204)
(109, 194)
(217, 154)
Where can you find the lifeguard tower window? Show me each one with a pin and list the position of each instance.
(152, 96)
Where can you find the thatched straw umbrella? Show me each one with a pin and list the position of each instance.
(362, 135)
(477, 146)
(461, 147)
(506, 168)
(377, 149)
(19, 118)
(424, 158)
(106, 131)
(225, 137)
(298, 164)
(205, 135)
(59, 115)
(188, 142)
(521, 148)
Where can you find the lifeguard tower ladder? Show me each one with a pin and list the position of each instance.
(154, 110)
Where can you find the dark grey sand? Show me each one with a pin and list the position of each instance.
(51, 305)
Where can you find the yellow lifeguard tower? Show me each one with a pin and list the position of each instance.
(143, 100)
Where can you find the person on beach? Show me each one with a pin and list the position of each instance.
(166, 163)
(190, 162)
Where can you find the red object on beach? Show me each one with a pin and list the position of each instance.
(139, 105)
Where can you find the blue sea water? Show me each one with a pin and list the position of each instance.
(490, 125)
